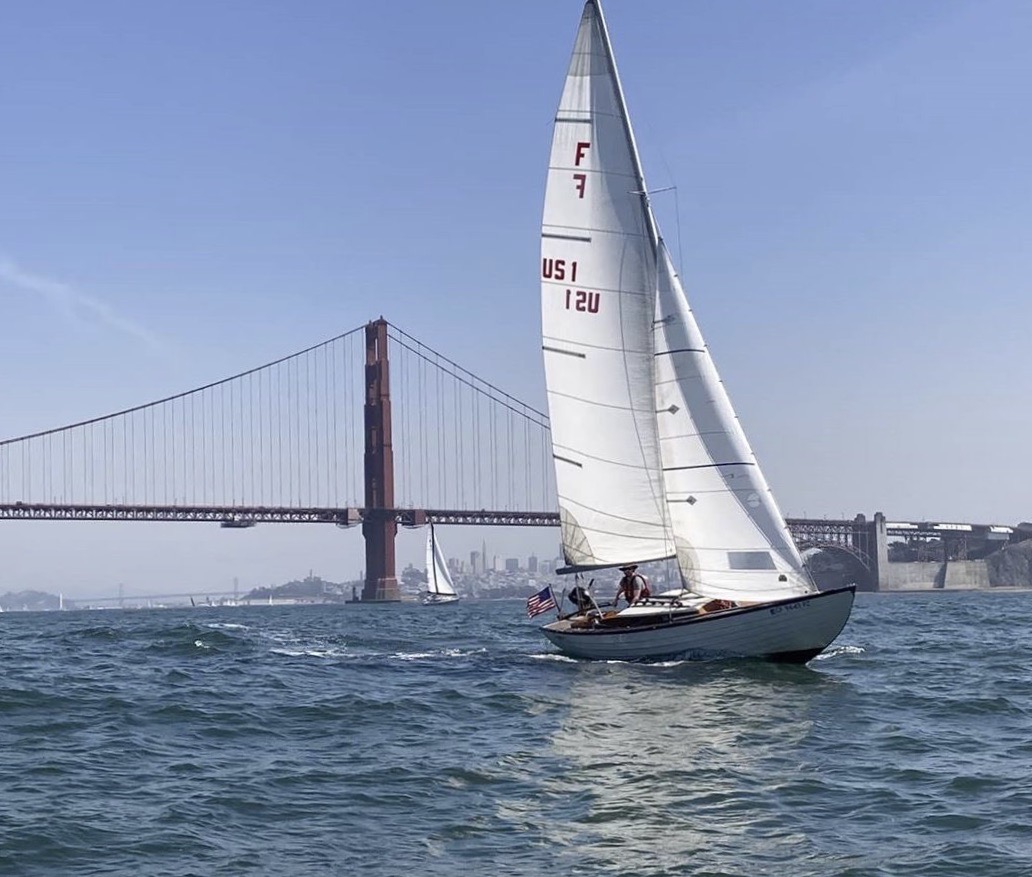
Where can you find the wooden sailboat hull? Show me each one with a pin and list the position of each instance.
(793, 630)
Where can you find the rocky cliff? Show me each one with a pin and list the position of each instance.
(1011, 566)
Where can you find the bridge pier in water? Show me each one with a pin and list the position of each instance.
(379, 527)
(878, 550)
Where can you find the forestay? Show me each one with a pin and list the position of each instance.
(598, 282)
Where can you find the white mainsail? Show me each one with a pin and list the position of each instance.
(438, 579)
(598, 281)
(650, 458)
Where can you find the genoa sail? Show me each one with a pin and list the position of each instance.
(732, 540)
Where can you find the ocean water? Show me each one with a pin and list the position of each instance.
(402, 740)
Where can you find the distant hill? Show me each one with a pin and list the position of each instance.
(309, 588)
(29, 601)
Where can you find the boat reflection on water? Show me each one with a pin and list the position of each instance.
(681, 764)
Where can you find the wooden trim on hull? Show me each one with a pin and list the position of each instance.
(759, 631)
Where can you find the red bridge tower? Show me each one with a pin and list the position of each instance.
(379, 527)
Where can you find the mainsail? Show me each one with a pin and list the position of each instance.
(438, 579)
(650, 459)
(598, 281)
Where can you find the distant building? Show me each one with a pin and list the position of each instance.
(476, 566)
(512, 564)
(532, 564)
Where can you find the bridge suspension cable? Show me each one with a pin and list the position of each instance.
(462, 442)
(289, 434)
(265, 436)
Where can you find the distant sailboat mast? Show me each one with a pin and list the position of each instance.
(431, 561)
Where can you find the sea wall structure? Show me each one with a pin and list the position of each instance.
(1005, 564)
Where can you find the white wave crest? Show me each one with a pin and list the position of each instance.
(840, 650)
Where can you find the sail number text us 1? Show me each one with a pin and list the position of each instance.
(576, 299)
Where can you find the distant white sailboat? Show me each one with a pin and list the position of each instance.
(439, 586)
(651, 462)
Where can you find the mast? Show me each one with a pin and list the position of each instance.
(432, 558)
(650, 219)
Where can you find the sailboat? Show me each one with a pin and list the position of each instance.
(439, 587)
(651, 462)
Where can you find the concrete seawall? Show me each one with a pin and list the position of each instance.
(966, 574)
(1009, 567)
(957, 575)
(910, 576)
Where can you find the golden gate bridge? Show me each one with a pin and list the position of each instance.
(370, 428)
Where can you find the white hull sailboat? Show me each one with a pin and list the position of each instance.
(793, 630)
(439, 586)
(651, 461)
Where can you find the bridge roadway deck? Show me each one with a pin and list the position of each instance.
(245, 516)
(239, 517)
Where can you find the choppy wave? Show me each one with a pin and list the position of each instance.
(328, 741)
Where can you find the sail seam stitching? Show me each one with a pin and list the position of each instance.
(601, 404)
(593, 230)
(611, 516)
(563, 285)
(603, 460)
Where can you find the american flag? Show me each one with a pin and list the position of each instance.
(542, 601)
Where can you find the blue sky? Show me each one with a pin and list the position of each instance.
(191, 189)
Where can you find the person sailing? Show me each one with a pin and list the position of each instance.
(633, 586)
